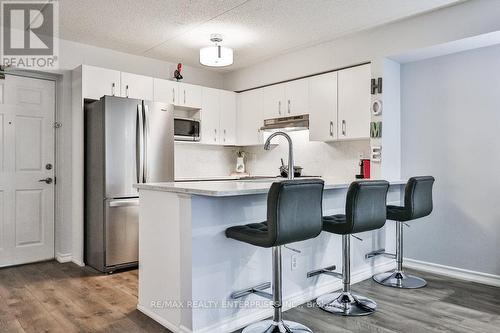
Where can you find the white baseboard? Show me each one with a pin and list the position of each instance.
(459, 273)
(63, 257)
(67, 257)
(77, 262)
(165, 323)
(301, 297)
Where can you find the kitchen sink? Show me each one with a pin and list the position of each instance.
(259, 179)
(263, 179)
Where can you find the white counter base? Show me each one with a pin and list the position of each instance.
(184, 256)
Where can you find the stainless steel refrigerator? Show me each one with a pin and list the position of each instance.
(127, 141)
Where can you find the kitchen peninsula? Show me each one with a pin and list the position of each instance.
(188, 268)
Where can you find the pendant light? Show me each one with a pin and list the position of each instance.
(216, 55)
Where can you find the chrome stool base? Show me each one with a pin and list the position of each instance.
(269, 326)
(346, 304)
(399, 279)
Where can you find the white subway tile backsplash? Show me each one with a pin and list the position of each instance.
(194, 160)
(338, 160)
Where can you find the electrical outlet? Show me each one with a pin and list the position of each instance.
(294, 262)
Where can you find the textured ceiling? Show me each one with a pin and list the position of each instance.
(174, 30)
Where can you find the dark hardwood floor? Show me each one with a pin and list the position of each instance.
(53, 297)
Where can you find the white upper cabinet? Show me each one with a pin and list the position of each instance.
(97, 82)
(189, 95)
(354, 102)
(165, 91)
(249, 118)
(227, 118)
(296, 97)
(323, 107)
(273, 101)
(136, 86)
(210, 113)
(218, 117)
(286, 99)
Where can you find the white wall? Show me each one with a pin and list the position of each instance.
(336, 161)
(71, 55)
(450, 127)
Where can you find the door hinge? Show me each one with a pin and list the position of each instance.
(57, 124)
(55, 180)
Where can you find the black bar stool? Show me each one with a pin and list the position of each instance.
(418, 203)
(365, 210)
(294, 213)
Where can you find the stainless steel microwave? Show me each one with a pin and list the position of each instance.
(186, 129)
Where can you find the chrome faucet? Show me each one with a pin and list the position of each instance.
(267, 146)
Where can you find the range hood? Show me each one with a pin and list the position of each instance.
(292, 123)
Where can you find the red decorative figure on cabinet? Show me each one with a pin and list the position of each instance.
(177, 72)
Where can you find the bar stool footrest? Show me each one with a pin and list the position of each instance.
(380, 252)
(327, 270)
(257, 290)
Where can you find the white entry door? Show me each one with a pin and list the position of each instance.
(27, 108)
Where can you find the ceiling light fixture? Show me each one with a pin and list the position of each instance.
(217, 55)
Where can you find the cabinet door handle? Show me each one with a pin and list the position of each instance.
(288, 106)
(279, 107)
(113, 89)
(215, 134)
(344, 127)
(126, 90)
(173, 95)
(184, 96)
(331, 128)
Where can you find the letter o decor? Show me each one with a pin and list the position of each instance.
(376, 107)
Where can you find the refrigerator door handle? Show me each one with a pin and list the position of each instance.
(146, 139)
(124, 203)
(139, 145)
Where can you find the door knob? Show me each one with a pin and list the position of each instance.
(47, 180)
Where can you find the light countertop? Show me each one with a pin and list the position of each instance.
(227, 188)
(213, 178)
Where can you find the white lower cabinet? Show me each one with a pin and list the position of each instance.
(249, 118)
(354, 103)
(323, 107)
